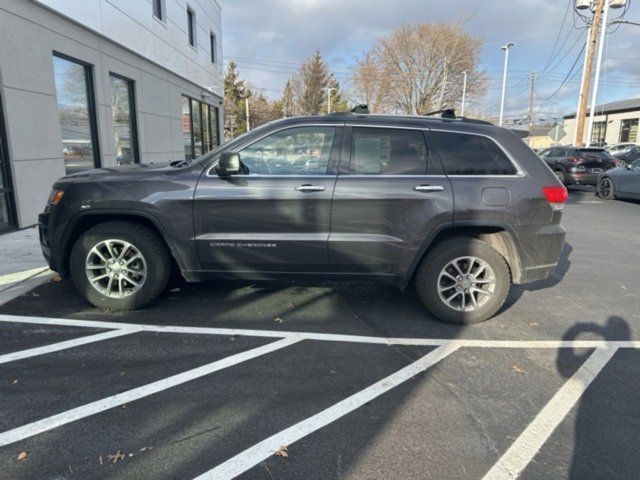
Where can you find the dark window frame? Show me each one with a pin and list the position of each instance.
(202, 106)
(133, 120)
(6, 186)
(91, 101)
(213, 45)
(625, 130)
(158, 9)
(191, 26)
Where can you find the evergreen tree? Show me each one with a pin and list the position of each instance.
(235, 93)
(314, 78)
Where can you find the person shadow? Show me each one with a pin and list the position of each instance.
(607, 418)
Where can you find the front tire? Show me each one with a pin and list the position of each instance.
(120, 265)
(463, 281)
(605, 189)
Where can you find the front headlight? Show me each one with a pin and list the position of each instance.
(55, 197)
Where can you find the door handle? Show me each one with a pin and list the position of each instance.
(310, 188)
(428, 188)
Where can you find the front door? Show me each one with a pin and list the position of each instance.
(629, 181)
(275, 216)
(7, 220)
(390, 197)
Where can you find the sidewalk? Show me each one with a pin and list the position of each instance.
(22, 265)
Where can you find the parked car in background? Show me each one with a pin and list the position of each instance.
(618, 148)
(621, 182)
(628, 157)
(578, 166)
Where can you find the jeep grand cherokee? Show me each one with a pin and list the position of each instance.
(461, 207)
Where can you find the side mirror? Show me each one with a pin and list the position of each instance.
(229, 164)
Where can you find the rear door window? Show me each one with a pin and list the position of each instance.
(386, 151)
(468, 154)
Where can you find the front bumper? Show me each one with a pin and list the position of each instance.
(44, 233)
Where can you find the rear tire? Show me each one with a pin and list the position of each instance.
(605, 189)
(447, 291)
(136, 265)
(561, 176)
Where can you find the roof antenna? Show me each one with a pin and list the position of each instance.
(361, 108)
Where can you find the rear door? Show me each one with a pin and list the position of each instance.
(275, 217)
(391, 194)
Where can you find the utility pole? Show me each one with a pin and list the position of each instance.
(504, 78)
(329, 90)
(246, 111)
(582, 83)
(464, 92)
(603, 33)
(586, 81)
(532, 81)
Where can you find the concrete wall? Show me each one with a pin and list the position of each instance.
(29, 34)
(131, 23)
(614, 126)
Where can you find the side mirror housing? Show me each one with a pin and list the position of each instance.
(229, 164)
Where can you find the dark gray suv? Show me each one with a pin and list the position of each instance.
(461, 207)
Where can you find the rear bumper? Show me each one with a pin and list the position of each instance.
(582, 178)
(540, 250)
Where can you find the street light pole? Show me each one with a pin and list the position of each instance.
(464, 92)
(329, 90)
(594, 95)
(504, 78)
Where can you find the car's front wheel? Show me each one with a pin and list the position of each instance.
(120, 265)
(463, 280)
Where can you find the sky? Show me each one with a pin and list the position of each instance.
(269, 39)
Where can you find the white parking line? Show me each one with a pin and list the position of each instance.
(56, 347)
(31, 429)
(527, 445)
(263, 450)
(328, 337)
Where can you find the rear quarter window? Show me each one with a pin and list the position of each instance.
(468, 154)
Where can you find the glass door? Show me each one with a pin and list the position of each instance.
(7, 218)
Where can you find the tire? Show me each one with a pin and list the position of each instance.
(561, 176)
(605, 189)
(430, 276)
(136, 281)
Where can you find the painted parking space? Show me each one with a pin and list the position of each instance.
(334, 402)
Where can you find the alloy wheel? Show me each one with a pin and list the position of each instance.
(116, 268)
(466, 284)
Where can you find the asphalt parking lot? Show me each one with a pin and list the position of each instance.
(335, 380)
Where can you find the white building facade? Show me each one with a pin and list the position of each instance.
(101, 83)
(613, 122)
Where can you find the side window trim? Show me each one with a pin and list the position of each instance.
(335, 150)
(519, 172)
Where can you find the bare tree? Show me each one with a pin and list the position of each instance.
(419, 68)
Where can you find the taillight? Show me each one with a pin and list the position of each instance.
(573, 160)
(556, 196)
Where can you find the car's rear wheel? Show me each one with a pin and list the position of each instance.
(120, 265)
(560, 175)
(463, 280)
(605, 189)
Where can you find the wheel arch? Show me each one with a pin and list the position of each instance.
(84, 221)
(499, 237)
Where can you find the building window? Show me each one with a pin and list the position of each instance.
(213, 45)
(199, 127)
(76, 109)
(191, 26)
(158, 9)
(599, 132)
(629, 130)
(123, 113)
(6, 193)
